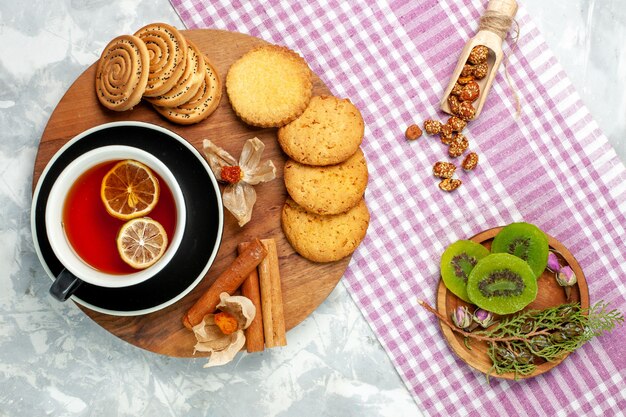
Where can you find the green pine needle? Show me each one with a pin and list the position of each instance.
(518, 341)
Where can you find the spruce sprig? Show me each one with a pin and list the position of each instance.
(518, 341)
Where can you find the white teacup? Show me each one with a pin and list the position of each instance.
(76, 269)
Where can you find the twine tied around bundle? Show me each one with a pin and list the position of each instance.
(496, 23)
(500, 24)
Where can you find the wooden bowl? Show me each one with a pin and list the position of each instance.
(549, 294)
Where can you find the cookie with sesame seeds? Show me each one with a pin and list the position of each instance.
(168, 57)
(201, 105)
(188, 84)
(122, 73)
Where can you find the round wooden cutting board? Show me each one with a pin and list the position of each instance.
(304, 284)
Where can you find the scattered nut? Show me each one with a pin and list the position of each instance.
(467, 70)
(480, 71)
(458, 145)
(446, 134)
(413, 132)
(456, 123)
(432, 127)
(456, 90)
(465, 80)
(444, 169)
(466, 111)
(470, 91)
(450, 184)
(453, 103)
(470, 161)
(463, 93)
(478, 55)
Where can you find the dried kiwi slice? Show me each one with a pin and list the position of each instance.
(502, 283)
(526, 241)
(457, 262)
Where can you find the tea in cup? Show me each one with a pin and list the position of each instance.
(103, 234)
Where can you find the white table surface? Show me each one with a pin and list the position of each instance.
(55, 361)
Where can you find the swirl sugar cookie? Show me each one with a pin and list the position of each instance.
(122, 73)
(269, 86)
(328, 132)
(327, 189)
(168, 57)
(188, 84)
(324, 238)
(200, 106)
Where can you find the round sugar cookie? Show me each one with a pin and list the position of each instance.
(324, 238)
(269, 86)
(330, 189)
(168, 57)
(122, 73)
(328, 132)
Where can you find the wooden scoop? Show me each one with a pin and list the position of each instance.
(494, 26)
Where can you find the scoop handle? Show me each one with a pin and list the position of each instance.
(506, 8)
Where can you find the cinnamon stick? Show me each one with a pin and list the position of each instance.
(255, 341)
(272, 297)
(228, 282)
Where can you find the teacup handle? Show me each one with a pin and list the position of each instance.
(64, 285)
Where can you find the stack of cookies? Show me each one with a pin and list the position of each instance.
(325, 217)
(160, 65)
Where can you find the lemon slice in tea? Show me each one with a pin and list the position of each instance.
(141, 242)
(129, 190)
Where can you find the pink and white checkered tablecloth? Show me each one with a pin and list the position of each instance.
(552, 166)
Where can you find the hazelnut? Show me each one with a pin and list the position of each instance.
(454, 103)
(466, 111)
(470, 161)
(456, 123)
(478, 55)
(446, 134)
(458, 145)
(470, 91)
(444, 169)
(450, 184)
(481, 70)
(432, 127)
(467, 70)
(413, 132)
